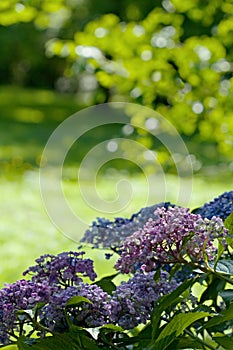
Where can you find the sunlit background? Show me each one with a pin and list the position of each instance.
(60, 56)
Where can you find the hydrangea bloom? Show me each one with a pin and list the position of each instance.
(132, 302)
(170, 238)
(85, 314)
(111, 234)
(21, 295)
(221, 206)
(63, 269)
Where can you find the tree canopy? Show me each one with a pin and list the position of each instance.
(175, 58)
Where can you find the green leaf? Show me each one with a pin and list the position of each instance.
(227, 295)
(195, 210)
(157, 275)
(176, 327)
(223, 266)
(76, 300)
(214, 286)
(228, 223)
(221, 250)
(166, 301)
(106, 283)
(224, 316)
(185, 343)
(144, 337)
(112, 328)
(225, 342)
(106, 334)
(74, 340)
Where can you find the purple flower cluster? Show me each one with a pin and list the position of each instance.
(132, 302)
(221, 206)
(21, 295)
(63, 269)
(156, 237)
(130, 305)
(111, 234)
(171, 237)
(86, 314)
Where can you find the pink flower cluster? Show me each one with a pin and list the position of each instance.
(174, 235)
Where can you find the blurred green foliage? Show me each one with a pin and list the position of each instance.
(171, 55)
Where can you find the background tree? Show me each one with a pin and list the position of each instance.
(172, 56)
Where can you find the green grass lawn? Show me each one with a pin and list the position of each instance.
(27, 232)
(27, 119)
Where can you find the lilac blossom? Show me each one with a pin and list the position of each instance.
(111, 234)
(172, 237)
(133, 301)
(21, 295)
(221, 206)
(85, 314)
(63, 269)
(130, 305)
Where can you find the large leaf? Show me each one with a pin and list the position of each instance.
(76, 300)
(225, 342)
(111, 328)
(223, 266)
(106, 283)
(174, 328)
(185, 343)
(214, 287)
(228, 223)
(61, 342)
(225, 315)
(166, 301)
(73, 340)
(227, 296)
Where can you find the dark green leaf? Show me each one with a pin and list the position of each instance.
(106, 283)
(195, 210)
(214, 286)
(185, 343)
(165, 301)
(228, 223)
(223, 266)
(111, 328)
(224, 316)
(225, 342)
(157, 275)
(174, 328)
(76, 300)
(227, 295)
(76, 339)
(221, 250)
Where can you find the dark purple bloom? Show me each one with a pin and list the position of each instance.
(86, 314)
(21, 295)
(133, 301)
(221, 206)
(172, 237)
(64, 269)
(111, 234)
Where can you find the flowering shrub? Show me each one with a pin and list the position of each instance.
(221, 206)
(173, 286)
(173, 236)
